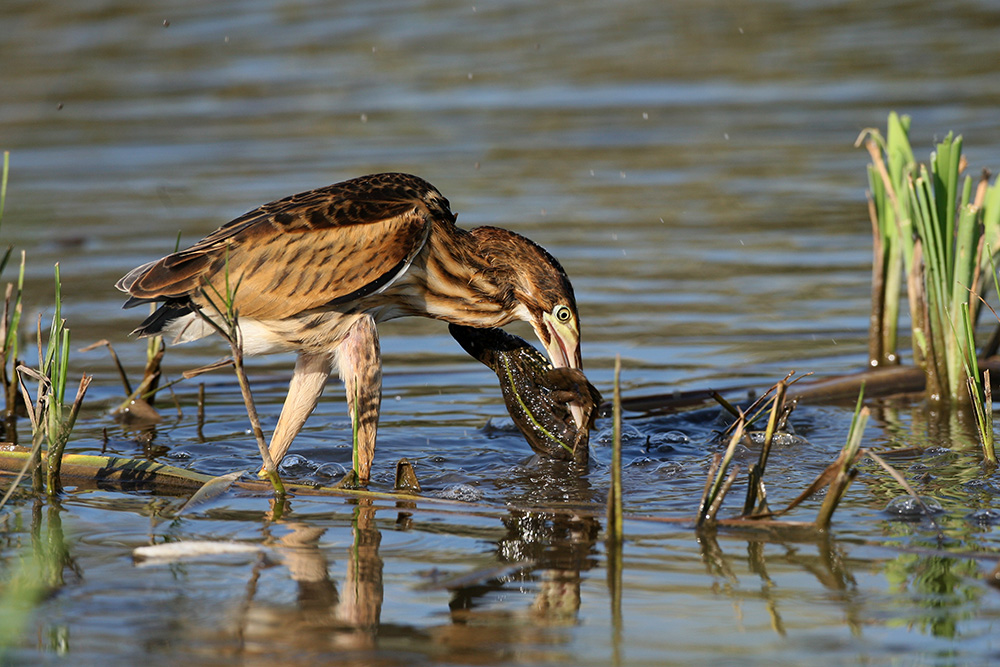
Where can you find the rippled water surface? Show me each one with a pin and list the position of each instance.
(692, 166)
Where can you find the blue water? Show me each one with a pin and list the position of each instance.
(691, 165)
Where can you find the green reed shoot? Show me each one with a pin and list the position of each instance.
(980, 390)
(352, 480)
(887, 176)
(10, 321)
(718, 484)
(49, 420)
(845, 470)
(928, 220)
(59, 424)
(8, 355)
(50, 423)
(3, 204)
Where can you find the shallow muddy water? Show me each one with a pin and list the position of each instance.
(690, 164)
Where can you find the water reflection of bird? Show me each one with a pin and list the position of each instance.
(315, 271)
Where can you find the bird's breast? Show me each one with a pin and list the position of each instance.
(314, 333)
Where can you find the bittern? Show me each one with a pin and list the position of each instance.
(314, 273)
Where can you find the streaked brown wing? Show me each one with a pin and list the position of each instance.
(303, 252)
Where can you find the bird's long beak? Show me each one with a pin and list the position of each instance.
(563, 348)
(563, 345)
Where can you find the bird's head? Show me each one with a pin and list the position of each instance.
(537, 290)
(557, 325)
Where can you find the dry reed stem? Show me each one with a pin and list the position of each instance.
(615, 512)
(122, 375)
(719, 486)
(55, 455)
(713, 468)
(755, 486)
(265, 454)
(713, 509)
(232, 336)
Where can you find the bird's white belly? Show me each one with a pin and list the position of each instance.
(316, 333)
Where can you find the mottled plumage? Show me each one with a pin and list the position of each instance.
(313, 273)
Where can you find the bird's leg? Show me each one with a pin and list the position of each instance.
(311, 373)
(361, 370)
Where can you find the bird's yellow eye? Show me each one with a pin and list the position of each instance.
(562, 313)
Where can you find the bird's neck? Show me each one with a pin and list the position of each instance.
(456, 282)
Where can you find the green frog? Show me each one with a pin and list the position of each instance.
(536, 394)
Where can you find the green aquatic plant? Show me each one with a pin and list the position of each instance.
(10, 322)
(3, 204)
(50, 422)
(933, 224)
(843, 468)
(893, 240)
(9, 326)
(980, 389)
